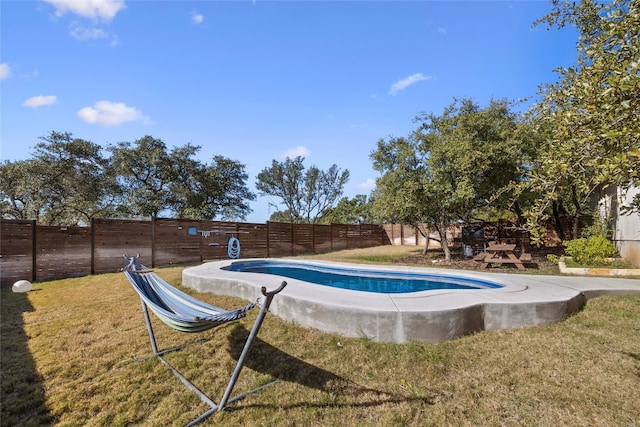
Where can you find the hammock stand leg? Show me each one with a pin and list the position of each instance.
(226, 399)
(152, 337)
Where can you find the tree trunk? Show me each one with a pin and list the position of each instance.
(441, 228)
(575, 226)
(557, 220)
(424, 232)
(518, 211)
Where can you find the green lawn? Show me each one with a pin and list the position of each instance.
(70, 351)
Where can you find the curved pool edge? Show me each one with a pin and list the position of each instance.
(425, 316)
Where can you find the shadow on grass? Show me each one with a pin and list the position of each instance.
(269, 360)
(22, 399)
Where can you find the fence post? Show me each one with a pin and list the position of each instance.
(268, 243)
(331, 236)
(92, 235)
(200, 227)
(153, 242)
(313, 237)
(34, 250)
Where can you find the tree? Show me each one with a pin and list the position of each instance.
(174, 182)
(449, 167)
(20, 190)
(349, 211)
(68, 181)
(305, 194)
(215, 190)
(148, 172)
(592, 111)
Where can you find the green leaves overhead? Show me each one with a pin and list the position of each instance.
(592, 111)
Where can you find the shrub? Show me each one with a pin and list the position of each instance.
(553, 258)
(592, 250)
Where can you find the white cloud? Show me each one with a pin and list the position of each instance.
(40, 101)
(197, 18)
(369, 184)
(441, 30)
(406, 82)
(295, 152)
(109, 113)
(104, 10)
(5, 71)
(82, 33)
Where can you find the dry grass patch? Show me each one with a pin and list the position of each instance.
(70, 352)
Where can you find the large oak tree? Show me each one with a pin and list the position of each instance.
(452, 165)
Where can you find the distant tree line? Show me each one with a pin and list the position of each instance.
(471, 163)
(69, 181)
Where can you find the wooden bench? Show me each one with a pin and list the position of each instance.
(525, 258)
(480, 257)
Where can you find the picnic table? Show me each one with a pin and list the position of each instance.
(502, 254)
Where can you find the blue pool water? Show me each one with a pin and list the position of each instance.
(386, 282)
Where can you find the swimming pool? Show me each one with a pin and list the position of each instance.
(426, 316)
(358, 279)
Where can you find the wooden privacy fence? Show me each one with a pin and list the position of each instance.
(37, 252)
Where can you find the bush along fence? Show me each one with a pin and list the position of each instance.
(37, 252)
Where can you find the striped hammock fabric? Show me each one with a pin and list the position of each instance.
(174, 307)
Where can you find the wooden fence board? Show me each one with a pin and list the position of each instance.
(280, 239)
(172, 243)
(302, 239)
(115, 238)
(78, 251)
(16, 251)
(339, 237)
(322, 238)
(63, 252)
(253, 240)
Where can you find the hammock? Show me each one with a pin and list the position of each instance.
(175, 308)
(184, 313)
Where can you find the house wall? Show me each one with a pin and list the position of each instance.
(627, 229)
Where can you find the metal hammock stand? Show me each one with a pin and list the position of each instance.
(184, 313)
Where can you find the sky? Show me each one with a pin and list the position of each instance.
(257, 81)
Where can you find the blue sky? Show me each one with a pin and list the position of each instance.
(256, 80)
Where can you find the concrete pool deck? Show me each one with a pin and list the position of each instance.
(426, 316)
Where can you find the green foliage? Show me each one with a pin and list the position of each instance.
(306, 194)
(69, 181)
(600, 227)
(215, 190)
(591, 113)
(450, 167)
(592, 250)
(554, 259)
(350, 211)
